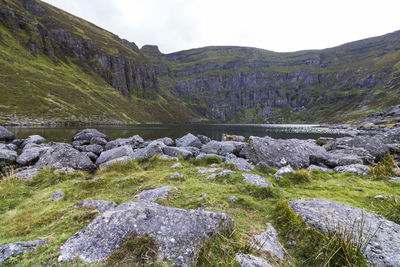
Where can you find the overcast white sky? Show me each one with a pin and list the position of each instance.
(279, 25)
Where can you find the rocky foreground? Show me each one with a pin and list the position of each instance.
(180, 233)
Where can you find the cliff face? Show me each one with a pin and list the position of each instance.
(249, 84)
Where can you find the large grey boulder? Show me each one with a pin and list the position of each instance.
(6, 135)
(282, 171)
(155, 194)
(246, 260)
(114, 161)
(339, 158)
(114, 153)
(390, 137)
(100, 205)
(33, 139)
(167, 141)
(188, 140)
(7, 156)
(133, 141)
(373, 144)
(276, 153)
(179, 233)
(95, 149)
(64, 155)
(177, 152)
(358, 169)
(151, 150)
(85, 136)
(269, 241)
(256, 180)
(17, 248)
(30, 154)
(325, 216)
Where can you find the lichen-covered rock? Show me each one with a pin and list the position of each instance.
(178, 233)
(268, 241)
(7, 156)
(57, 195)
(325, 216)
(188, 140)
(256, 180)
(30, 154)
(151, 150)
(114, 153)
(88, 134)
(155, 194)
(133, 141)
(33, 139)
(246, 260)
(26, 174)
(240, 163)
(276, 153)
(64, 155)
(177, 152)
(282, 171)
(100, 205)
(6, 135)
(17, 248)
(354, 168)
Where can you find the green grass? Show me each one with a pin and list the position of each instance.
(27, 212)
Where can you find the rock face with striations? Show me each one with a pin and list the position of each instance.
(325, 216)
(178, 233)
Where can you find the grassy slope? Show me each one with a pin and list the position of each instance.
(358, 59)
(62, 89)
(27, 212)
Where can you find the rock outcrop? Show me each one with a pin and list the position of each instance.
(178, 233)
(17, 248)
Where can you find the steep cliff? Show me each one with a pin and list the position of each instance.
(57, 66)
(255, 85)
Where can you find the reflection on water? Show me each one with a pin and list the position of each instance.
(155, 131)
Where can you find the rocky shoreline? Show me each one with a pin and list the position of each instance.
(91, 150)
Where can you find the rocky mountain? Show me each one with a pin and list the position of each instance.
(55, 66)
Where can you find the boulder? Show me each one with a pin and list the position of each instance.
(153, 149)
(220, 174)
(7, 156)
(282, 171)
(33, 139)
(354, 168)
(394, 179)
(100, 205)
(240, 163)
(315, 167)
(133, 141)
(390, 137)
(325, 216)
(208, 170)
(373, 144)
(223, 148)
(6, 135)
(188, 140)
(95, 149)
(98, 141)
(155, 194)
(63, 155)
(115, 153)
(30, 154)
(269, 241)
(167, 141)
(256, 180)
(88, 134)
(166, 157)
(26, 174)
(276, 153)
(204, 155)
(246, 260)
(17, 248)
(204, 139)
(179, 233)
(177, 152)
(113, 161)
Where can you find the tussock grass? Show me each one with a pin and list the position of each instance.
(385, 168)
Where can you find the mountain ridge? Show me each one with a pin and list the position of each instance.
(58, 67)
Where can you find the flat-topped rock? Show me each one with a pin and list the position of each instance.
(325, 216)
(240, 163)
(220, 174)
(256, 180)
(178, 233)
(27, 173)
(208, 170)
(358, 169)
(17, 248)
(246, 260)
(155, 194)
(268, 241)
(115, 153)
(177, 152)
(100, 205)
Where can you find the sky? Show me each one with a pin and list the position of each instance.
(279, 25)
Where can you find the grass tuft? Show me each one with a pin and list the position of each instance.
(385, 168)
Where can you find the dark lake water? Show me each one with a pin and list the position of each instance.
(155, 131)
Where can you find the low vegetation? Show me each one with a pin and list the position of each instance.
(28, 213)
